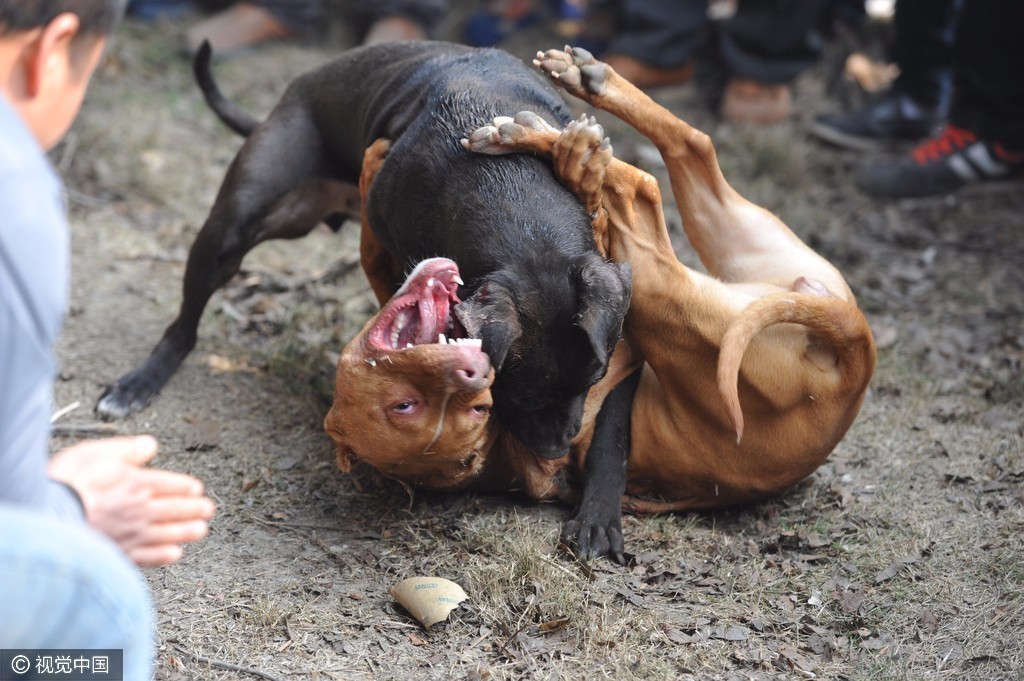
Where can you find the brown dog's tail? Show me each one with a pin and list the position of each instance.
(839, 322)
(233, 116)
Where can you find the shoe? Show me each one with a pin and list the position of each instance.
(943, 164)
(747, 101)
(646, 76)
(892, 117)
(393, 29)
(239, 27)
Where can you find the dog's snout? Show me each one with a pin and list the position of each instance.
(471, 372)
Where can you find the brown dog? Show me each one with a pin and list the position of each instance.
(751, 375)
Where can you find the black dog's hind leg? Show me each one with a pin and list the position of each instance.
(596, 529)
(277, 187)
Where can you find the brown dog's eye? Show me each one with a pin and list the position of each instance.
(481, 408)
(404, 407)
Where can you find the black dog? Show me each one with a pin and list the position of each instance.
(547, 306)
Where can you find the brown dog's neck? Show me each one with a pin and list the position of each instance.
(513, 467)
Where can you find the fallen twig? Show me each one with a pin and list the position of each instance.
(230, 666)
(84, 429)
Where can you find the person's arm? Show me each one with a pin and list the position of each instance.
(33, 293)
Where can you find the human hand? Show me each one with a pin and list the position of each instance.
(150, 513)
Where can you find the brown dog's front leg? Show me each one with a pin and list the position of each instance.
(383, 270)
(580, 155)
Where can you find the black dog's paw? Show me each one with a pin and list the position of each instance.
(129, 394)
(595, 531)
(574, 69)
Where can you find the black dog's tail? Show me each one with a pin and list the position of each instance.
(234, 116)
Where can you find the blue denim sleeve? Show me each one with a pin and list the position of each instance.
(34, 264)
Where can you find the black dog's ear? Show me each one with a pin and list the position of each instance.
(498, 337)
(604, 292)
(490, 315)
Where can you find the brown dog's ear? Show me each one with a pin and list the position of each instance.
(345, 456)
(490, 315)
(605, 289)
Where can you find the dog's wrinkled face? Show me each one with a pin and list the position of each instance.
(549, 351)
(412, 396)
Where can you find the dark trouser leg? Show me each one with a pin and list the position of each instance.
(771, 41)
(301, 16)
(988, 96)
(923, 49)
(660, 33)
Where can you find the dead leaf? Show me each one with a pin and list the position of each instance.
(203, 434)
(736, 634)
(676, 636)
(553, 625)
(633, 597)
(895, 568)
(415, 640)
(796, 658)
(288, 463)
(929, 622)
(880, 642)
(1003, 418)
(850, 602)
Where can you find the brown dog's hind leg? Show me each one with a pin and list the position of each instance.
(382, 270)
(736, 240)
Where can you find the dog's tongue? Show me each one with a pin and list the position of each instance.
(433, 307)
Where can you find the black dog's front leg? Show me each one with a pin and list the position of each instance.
(596, 529)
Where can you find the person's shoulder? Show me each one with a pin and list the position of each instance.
(20, 152)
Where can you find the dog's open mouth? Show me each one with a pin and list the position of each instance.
(421, 312)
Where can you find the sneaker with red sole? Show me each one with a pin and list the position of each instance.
(941, 165)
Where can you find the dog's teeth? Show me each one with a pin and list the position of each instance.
(430, 283)
(458, 280)
(409, 345)
(394, 338)
(442, 339)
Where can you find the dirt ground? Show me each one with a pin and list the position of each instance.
(900, 558)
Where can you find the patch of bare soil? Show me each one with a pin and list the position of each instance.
(899, 558)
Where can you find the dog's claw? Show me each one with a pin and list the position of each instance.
(484, 140)
(529, 119)
(506, 134)
(595, 532)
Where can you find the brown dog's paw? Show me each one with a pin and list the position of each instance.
(574, 69)
(525, 132)
(580, 157)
